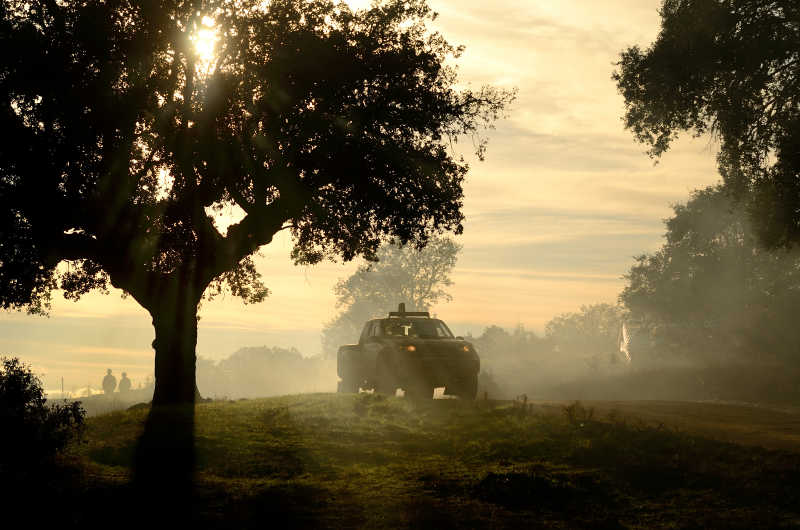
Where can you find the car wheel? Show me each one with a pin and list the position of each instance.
(468, 388)
(419, 391)
(472, 388)
(347, 386)
(385, 380)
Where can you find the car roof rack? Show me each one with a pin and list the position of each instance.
(402, 313)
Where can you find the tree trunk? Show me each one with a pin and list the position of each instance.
(165, 454)
(175, 323)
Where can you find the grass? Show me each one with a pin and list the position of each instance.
(337, 461)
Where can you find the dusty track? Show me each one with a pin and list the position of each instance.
(769, 427)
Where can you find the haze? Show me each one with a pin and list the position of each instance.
(554, 215)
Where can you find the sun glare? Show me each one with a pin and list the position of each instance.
(205, 41)
(164, 183)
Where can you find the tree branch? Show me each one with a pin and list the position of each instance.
(76, 246)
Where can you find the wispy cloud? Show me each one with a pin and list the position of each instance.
(105, 351)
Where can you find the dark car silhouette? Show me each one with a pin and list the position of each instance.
(411, 351)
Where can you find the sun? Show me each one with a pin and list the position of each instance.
(205, 41)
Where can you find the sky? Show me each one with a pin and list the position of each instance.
(554, 215)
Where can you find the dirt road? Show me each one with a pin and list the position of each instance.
(769, 427)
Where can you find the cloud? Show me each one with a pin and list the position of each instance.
(105, 351)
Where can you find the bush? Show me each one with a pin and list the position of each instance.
(33, 430)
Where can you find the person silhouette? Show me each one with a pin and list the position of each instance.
(124, 384)
(109, 383)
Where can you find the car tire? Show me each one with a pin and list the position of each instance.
(472, 388)
(468, 388)
(385, 380)
(347, 386)
(418, 390)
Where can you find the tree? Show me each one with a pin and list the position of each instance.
(263, 371)
(497, 346)
(33, 430)
(416, 277)
(591, 333)
(732, 68)
(711, 288)
(122, 143)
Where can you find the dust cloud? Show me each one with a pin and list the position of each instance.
(263, 372)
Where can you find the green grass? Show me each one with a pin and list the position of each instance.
(369, 461)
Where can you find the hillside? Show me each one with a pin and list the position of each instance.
(335, 461)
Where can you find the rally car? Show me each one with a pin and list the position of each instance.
(409, 351)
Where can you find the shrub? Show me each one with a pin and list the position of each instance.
(33, 430)
(577, 415)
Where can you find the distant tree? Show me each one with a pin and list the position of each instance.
(731, 67)
(498, 346)
(510, 361)
(712, 288)
(122, 143)
(592, 333)
(33, 430)
(264, 371)
(417, 277)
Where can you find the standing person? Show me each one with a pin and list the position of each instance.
(124, 384)
(109, 383)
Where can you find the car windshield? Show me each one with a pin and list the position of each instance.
(424, 328)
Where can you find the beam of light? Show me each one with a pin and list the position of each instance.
(165, 183)
(205, 42)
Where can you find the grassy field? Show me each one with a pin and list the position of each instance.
(337, 461)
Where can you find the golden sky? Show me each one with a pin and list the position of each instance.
(554, 215)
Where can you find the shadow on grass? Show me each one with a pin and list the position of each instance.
(164, 464)
(282, 505)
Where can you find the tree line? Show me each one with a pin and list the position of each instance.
(711, 290)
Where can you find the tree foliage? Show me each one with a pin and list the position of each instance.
(33, 430)
(732, 68)
(500, 347)
(591, 333)
(712, 288)
(263, 371)
(123, 142)
(417, 277)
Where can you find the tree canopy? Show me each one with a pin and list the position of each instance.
(731, 68)
(122, 142)
(416, 277)
(591, 333)
(712, 289)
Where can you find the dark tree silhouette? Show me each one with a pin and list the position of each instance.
(33, 429)
(121, 144)
(731, 67)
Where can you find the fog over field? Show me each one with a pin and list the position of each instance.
(564, 242)
(554, 215)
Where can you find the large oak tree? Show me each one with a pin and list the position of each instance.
(121, 142)
(732, 68)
